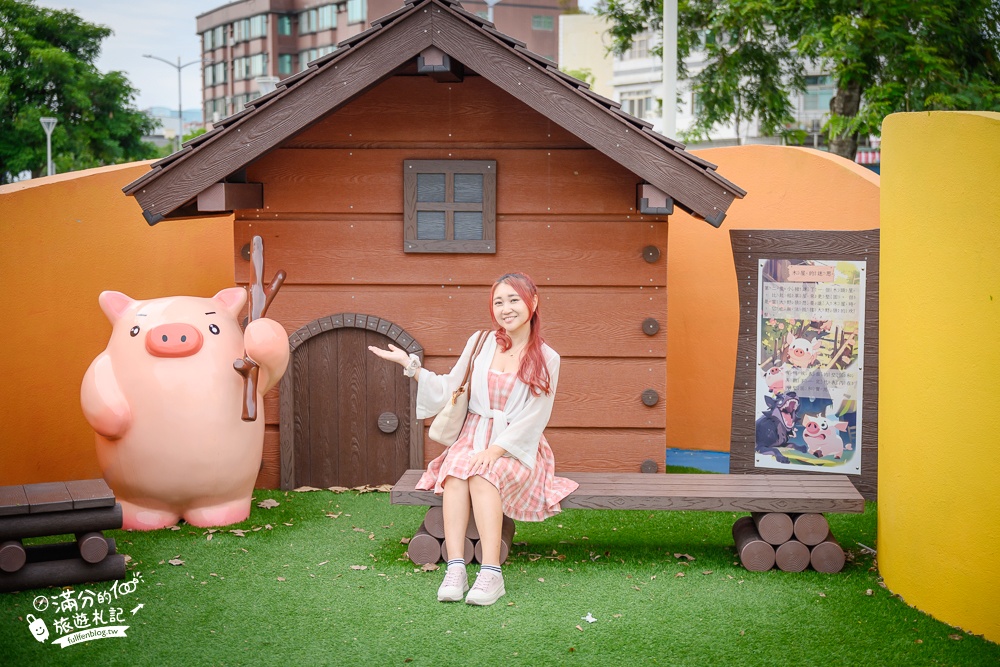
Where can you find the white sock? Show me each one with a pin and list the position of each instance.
(495, 569)
(456, 562)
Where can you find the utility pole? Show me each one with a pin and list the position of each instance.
(180, 107)
(669, 68)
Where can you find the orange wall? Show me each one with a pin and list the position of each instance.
(789, 188)
(63, 240)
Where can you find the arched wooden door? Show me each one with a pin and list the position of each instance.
(346, 415)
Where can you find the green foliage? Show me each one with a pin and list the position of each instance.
(168, 148)
(583, 74)
(47, 69)
(884, 57)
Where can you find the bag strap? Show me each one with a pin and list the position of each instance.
(480, 341)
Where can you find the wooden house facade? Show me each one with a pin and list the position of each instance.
(394, 181)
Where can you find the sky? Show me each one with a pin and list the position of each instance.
(163, 29)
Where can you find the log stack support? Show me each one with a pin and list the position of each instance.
(792, 542)
(82, 508)
(427, 547)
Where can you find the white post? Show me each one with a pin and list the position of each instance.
(669, 68)
(489, 9)
(49, 124)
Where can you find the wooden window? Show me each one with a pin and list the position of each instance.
(449, 206)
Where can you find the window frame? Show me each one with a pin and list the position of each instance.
(412, 168)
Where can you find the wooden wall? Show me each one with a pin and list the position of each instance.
(565, 215)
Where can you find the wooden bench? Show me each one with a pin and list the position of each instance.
(788, 528)
(83, 508)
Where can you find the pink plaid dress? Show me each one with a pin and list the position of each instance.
(526, 494)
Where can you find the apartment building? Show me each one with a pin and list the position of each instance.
(251, 44)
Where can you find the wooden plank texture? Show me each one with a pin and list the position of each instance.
(717, 493)
(445, 316)
(370, 252)
(87, 493)
(370, 180)
(748, 247)
(48, 497)
(592, 393)
(13, 500)
(450, 116)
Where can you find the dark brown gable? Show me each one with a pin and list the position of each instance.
(394, 40)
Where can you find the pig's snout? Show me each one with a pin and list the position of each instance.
(812, 428)
(173, 340)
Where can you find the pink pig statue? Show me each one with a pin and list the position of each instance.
(166, 403)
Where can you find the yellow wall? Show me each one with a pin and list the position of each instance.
(939, 365)
(63, 240)
(789, 188)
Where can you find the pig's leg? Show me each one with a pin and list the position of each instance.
(137, 517)
(222, 514)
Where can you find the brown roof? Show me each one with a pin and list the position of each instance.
(395, 40)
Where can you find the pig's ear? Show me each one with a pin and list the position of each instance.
(233, 299)
(114, 304)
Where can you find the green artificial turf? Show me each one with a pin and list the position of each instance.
(322, 579)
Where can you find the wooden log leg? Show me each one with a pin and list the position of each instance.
(63, 573)
(12, 555)
(470, 550)
(792, 556)
(774, 527)
(472, 531)
(434, 521)
(38, 553)
(506, 541)
(424, 548)
(810, 529)
(755, 554)
(93, 546)
(827, 556)
(21, 526)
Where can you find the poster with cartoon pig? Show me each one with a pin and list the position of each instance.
(810, 345)
(165, 403)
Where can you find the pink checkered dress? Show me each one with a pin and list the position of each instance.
(526, 494)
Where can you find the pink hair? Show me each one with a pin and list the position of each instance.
(532, 371)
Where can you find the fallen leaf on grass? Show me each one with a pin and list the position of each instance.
(822, 595)
(281, 578)
(579, 628)
(541, 580)
(239, 532)
(303, 489)
(359, 530)
(404, 540)
(268, 503)
(334, 516)
(209, 538)
(175, 561)
(685, 556)
(359, 567)
(175, 527)
(955, 637)
(637, 588)
(429, 567)
(337, 489)
(679, 574)
(706, 571)
(323, 563)
(919, 641)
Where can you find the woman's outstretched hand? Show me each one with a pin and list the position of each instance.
(392, 354)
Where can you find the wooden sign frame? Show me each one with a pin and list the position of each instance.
(750, 246)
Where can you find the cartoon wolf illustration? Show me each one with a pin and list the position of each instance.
(776, 425)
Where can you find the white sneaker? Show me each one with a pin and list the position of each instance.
(454, 586)
(487, 589)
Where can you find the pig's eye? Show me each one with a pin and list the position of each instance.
(823, 426)
(134, 331)
(214, 329)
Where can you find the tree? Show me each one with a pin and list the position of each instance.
(884, 56)
(47, 69)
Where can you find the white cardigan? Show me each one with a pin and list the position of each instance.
(518, 427)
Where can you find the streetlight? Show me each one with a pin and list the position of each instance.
(489, 9)
(49, 124)
(180, 109)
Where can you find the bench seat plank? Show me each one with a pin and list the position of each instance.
(719, 493)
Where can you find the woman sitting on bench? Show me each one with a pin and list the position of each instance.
(501, 463)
